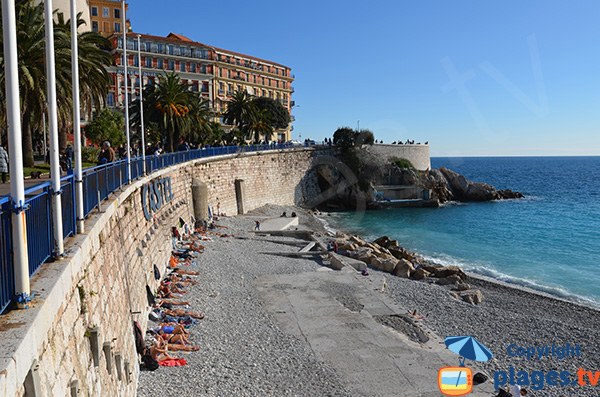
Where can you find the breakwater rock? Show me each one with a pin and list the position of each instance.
(386, 255)
(448, 185)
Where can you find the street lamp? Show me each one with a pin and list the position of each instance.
(76, 120)
(126, 99)
(141, 105)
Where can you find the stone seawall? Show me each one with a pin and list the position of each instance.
(78, 336)
(417, 154)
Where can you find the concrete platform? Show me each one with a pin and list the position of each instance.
(336, 313)
(280, 223)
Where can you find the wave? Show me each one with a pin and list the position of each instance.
(491, 274)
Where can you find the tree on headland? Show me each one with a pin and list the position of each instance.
(344, 137)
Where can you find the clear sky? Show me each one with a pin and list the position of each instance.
(474, 78)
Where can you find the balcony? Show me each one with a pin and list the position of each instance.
(292, 88)
(292, 118)
(221, 92)
(292, 103)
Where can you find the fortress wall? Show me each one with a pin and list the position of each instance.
(101, 282)
(417, 154)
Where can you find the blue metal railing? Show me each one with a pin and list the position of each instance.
(98, 183)
(7, 286)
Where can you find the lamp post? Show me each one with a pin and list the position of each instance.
(141, 105)
(53, 130)
(76, 120)
(126, 99)
(17, 185)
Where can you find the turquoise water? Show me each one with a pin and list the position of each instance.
(549, 241)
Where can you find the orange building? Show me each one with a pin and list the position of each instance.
(214, 72)
(106, 17)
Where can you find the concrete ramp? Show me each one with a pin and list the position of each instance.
(376, 347)
(281, 223)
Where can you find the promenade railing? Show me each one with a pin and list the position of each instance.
(98, 183)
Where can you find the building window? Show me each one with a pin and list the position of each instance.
(94, 11)
(117, 27)
(117, 13)
(255, 78)
(135, 61)
(182, 66)
(148, 62)
(171, 65)
(95, 26)
(193, 67)
(160, 64)
(105, 13)
(170, 48)
(110, 100)
(203, 69)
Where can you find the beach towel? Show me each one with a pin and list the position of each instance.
(173, 262)
(171, 362)
(140, 345)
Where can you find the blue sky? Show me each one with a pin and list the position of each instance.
(473, 78)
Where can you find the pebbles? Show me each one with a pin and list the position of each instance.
(243, 351)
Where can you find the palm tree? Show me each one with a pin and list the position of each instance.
(168, 103)
(261, 125)
(200, 113)
(32, 75)
(241, 112)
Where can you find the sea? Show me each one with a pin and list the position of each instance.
(549, 241)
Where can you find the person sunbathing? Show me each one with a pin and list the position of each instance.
(181, 281)
(159, 351)
(162, 302)
(175, 346)
(188, 272)
(172, 328)
(174, 338)
(183, 313)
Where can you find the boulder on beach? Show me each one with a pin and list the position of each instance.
(385, 265)
(445, 271)
(403, 268)
(472, 296)
(451, 279)
(420, 274)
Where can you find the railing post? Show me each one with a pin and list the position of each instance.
(53, 129)
(76, 121)
(17, 185)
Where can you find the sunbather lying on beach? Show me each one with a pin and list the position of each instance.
(159, 352)
(163, 302)
(183, 313)
(181, 281)
(189, 272)
(415, 315)
(172, 328)
(175, 345)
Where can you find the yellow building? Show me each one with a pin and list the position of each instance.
(106, 17)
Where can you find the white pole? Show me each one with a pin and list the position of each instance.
(141, 105)
(17, 185)
(45, 147)
(53, 131)
(76, 120)
(126, 99)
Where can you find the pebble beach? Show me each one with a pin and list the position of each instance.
(243, 351)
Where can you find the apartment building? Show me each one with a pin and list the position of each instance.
(106, 17)
(214, 72)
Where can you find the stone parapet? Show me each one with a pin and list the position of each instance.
(100, 284)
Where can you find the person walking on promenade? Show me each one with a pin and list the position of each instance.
(3, 163)
(69, 157)
(257, 225)
(107, 155)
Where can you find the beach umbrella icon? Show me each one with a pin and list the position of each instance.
(468, 347)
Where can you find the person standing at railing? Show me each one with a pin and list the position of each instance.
(107, 155)
(69, 157)
(3, 163)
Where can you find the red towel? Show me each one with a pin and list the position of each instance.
(173, 362)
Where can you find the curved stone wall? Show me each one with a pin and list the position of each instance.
(417, 154)
(99, 288)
